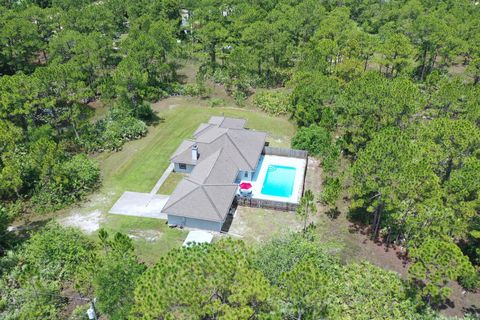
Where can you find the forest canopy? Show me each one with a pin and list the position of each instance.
(385, 94)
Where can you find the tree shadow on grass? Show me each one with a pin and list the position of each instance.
(333, 213)
(447, 304)
(473, 309)
(154, 120)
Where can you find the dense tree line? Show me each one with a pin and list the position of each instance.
(291, 277)
(393, 85)
(56, 57)
(391, 88)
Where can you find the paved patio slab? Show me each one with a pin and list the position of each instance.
(140, 205)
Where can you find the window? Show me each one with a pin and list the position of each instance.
(246, 174)
(182, 166)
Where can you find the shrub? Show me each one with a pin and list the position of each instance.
(55, 253)
(273, 102)
(216, 102)
(331, 191)
(315, 139)
(69, 181)
(239, 97)
(194, 89)
(144, 111)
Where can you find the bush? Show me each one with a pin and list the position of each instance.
(331, 191)
(47, 263)
(273, 102)
(144, 111)
(118, 126)
(55, 253)
(315, 139)
(216, 102)
(239, 97)
(195, 89)
(280, 255)
(69, 181)
(4, 234)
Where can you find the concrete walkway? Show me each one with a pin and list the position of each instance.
(162, 179)
(140, 204)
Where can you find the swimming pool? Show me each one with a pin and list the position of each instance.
(279, 181)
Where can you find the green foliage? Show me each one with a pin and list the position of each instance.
(47, 261)
(331, 191)
(56, 253)
(371, 103)
(314, 285)
(273, 102)
(312, 96)
(281, 254)
(67, 182)
(5, 236)
(306, 207)
(314, 139)
(435, 263)
(203, 281)
(318, 142)
(115, 279)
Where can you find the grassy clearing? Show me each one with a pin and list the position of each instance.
(255, 225)
(140, 163)
(169, 185)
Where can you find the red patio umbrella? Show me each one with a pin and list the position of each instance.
(245, 185)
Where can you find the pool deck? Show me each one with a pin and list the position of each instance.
(260, 175)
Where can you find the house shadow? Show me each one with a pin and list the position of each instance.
(229, 219)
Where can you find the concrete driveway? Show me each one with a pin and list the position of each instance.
(140, 205)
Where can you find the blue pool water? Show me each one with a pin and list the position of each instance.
(279, 181)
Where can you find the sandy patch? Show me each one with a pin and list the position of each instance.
(147, 235)
(88, 223)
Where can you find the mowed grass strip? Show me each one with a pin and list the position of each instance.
(171, 183)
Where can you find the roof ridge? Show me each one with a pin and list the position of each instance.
(223, 120)
(211, 201)
(236, 147)
(184, 196)
(176, 154)
(219, 151)
(209, 125)
(219, 184)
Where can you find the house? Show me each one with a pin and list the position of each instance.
(220, 153)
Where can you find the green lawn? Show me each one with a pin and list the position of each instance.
(140, 163)
(152, 237)
(169, 185)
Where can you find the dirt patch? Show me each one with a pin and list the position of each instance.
(147, 235)
(259, 225)
(88, 223)
(167, 104)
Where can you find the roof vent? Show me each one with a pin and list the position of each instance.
(194, 152)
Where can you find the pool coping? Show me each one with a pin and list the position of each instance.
(260, 175)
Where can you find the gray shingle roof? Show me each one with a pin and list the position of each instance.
(201, 201)
(223, 122)
(243, 146)
(224, 149)
(216, 169)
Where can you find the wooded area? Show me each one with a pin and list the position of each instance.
(385, 93)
